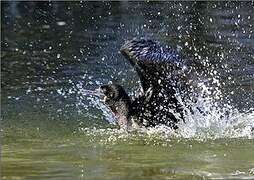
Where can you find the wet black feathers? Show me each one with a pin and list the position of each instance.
(158, 68)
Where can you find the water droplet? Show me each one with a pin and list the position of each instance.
(61, 23)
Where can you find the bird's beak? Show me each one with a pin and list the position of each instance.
(100, 90)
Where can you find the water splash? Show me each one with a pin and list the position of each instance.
(217, 122)
(206, 118)
(86, 98)
(211, 118)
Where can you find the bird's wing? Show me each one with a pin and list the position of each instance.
(151, 61)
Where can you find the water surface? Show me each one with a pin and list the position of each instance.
(51, 53)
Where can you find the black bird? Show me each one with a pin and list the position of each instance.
(159, 69)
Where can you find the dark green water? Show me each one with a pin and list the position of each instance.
(52, 52)
(31, 154)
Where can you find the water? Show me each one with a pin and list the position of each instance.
(54, 55)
